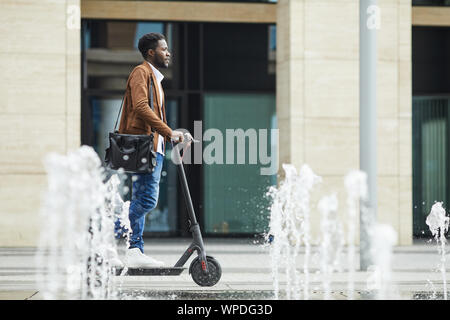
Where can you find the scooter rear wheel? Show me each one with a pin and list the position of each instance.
(205, 279)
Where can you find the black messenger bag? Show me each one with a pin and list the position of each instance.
(130, 152)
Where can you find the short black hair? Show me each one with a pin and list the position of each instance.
(149, 41)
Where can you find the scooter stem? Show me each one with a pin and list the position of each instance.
(194, 228)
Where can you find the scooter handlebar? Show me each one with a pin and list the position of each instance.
(187, 138)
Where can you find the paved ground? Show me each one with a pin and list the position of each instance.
(246, 274)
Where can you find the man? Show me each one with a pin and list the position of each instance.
(138, 118)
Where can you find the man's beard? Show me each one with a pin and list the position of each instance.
(160, 63)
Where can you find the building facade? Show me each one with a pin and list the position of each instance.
(291, 65)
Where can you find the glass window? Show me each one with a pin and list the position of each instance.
(239, 57)
(431, 63)
(111, 52)
(431, 2)
(430, 157)
(104, 115)
(430, 122)
(235, 193)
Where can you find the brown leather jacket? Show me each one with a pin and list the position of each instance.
(137, 116)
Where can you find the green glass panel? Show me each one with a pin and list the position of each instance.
(430, 156)
(234, 193)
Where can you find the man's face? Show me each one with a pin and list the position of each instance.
(161, 55)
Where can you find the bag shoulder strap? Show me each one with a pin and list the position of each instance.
(150, 89)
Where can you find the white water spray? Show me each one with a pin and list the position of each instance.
(356, 186)
(384, 237)
(332, 241)
(77, 234)
(438, 223)
(290, 227)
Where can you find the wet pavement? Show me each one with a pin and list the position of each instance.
(246, 274)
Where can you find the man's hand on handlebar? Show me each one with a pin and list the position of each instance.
(177, 136)
(189, 137)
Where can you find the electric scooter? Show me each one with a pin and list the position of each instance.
(204, 269)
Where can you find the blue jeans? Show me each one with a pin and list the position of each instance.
(144, 198)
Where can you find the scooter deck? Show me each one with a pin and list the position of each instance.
(160, 271)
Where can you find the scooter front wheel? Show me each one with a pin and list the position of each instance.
(205, 279)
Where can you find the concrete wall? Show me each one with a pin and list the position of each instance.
(39, 105)
(318, 100)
